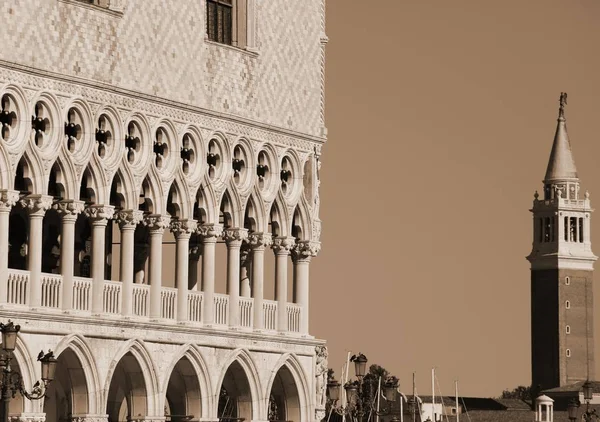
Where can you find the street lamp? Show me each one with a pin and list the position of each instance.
(355, 406)
(11, 382)
(589, 415)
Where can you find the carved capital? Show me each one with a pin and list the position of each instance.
(210, 231)
(69, 209)
(128, 219)
(157, 222)
(8, 199)
(304, 250)
(183, 228)
(235, 237)
(36, 205)
(89, 418)
(283, 245)
(260, 240)
(99, 214)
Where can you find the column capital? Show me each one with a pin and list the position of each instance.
(282, 245)
(36, 205)
(210, 231)
(260, 240)
(99, 214)
(235, 237)
(8, 199)
(128, 219)
(69, 208)
(183, 228)
(304, 250)
(157, 222)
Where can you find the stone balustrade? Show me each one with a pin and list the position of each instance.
(51, 296)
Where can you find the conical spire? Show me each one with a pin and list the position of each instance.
(561, 166)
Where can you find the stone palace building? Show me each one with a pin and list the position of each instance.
(159, 206)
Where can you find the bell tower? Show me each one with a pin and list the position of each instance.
(562, 264)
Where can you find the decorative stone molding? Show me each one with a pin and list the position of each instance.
(235, 237)
(36, 205)
(210, 231)
(128, 218)
(69, 209)
(8, 199)
(99, 214)
(283, 245)
(183, 228)
(157, 222)
(29, 417)
(304, 250)
(260, 240)
(89, 418)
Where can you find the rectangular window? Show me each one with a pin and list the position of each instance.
(581, 230)
(219, 21)
(566, 229)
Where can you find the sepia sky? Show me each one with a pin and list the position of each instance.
(441, 117)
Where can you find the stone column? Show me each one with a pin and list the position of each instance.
(281, 247)
(36, 206)
(209, 233)
(8, 199)
(182, 229)
(68, 209)
(302, 253)
(98, 216)
(258, 242)
(234, 239)
(128, 221)
(156, 225)
(245, 265)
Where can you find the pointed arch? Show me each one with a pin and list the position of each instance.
(5, 169)
(255, 212)
(205, 209)
(278, 218)
(138, 349)
(179, 198)
(23, 357)
(152, 193)
(65, 177)
(78, 344)
(301, 220)
(33, 172)
(292, 364)
(198, 363)
(230, 206)
(243, 358)
(125, 189)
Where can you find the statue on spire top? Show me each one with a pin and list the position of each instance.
(563, 103)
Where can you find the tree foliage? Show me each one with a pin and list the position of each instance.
(521, 392)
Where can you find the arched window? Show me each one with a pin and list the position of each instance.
(567, 280)
(568, 353)
(567, 304)
(568, 329)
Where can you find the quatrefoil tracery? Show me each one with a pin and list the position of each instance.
(132, 141)
(213, 158)
(73, 129)
(103, 135)
(262, 170)
(161, 149)
(8, 116)
(188, 155)
(40, 124)
(239, 164)
(286, 175)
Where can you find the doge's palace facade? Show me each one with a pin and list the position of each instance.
(159, 206)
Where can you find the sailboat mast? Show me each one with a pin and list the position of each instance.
(414, 409)
(433, 394)
(456, 398)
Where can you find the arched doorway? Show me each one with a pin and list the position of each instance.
(235, 397)
(67, 394)
(127, 395)
(184, 399)
(284, 401)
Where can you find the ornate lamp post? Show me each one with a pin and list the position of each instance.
(11, 382)
(356, 407)
(589, 415)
